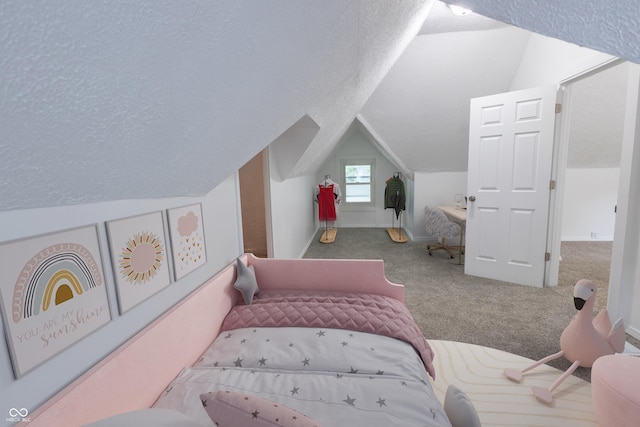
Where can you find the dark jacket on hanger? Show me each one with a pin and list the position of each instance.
(394, 195)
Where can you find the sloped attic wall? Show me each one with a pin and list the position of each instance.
(110, 110)
(421, 107)
(357, 145)
(134, 100)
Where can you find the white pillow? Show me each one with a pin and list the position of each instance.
(151, 417)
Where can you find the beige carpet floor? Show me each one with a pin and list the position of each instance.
(449, 305)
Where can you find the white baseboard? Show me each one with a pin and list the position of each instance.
(586, 239)
(634, 332)
(408, 233)
(309, 242)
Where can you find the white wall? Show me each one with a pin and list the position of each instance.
(356, 146)
(550, 61)
(590, 196)
(426, 188)
(223, 244)
(291, 213)
(293, 227)
(421, 108)
(410, 218)
(434, 189)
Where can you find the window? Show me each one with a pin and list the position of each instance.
(357, 179)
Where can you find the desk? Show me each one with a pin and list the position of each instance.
(459, 216)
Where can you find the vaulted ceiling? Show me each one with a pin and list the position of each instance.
(146, 99)
(421, 108)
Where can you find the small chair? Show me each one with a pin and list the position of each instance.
(443, 229)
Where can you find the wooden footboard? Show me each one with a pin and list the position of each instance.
(134, 375)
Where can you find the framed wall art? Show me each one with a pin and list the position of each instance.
(187, 239)
(139, 257)
(52, 293)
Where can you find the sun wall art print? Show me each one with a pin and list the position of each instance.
(139, 257)
(187, 239)
(52, 293)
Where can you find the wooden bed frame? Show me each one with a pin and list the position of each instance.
(135, 374)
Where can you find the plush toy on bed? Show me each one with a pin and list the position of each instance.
(459, 408)
(582, 342)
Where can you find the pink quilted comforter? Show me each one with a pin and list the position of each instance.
(360, 312)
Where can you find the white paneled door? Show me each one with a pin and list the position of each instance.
(510, 155)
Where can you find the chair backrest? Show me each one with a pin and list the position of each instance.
(438, 225)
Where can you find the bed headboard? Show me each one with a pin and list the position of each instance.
(132, 378)
(353, 275)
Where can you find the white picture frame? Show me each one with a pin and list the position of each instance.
(188, 246)
(52, 293)
(139, 257)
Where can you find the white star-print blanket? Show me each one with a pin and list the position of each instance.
(354, 311)
(337, 377)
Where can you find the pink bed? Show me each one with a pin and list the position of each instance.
(135, 375)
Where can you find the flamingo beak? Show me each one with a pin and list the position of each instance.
(582, 291)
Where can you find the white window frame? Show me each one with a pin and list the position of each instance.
(359, 162)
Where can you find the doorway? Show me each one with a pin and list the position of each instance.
(591, 176)
(587, 167)
(253, 206)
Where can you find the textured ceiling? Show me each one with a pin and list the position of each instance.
(117, 100)
(146, 99)
(607, 26)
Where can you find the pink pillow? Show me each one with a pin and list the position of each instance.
(227, 408)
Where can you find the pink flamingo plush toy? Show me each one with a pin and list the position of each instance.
(583, 341)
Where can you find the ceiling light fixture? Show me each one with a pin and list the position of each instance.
(458, 10)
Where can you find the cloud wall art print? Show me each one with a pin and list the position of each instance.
(187, 239)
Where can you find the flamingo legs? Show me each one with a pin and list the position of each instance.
(516, 375)
(544, 394)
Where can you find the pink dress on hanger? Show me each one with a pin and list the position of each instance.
(326, 203)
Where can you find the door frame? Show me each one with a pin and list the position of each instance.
(261, 159)
(624, 280)
(559, 166)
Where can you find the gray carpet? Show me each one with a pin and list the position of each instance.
(449, 305)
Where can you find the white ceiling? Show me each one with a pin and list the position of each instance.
(132, 100)
(421, 108)
(606, 26)
(119, 100)
(441, 19)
